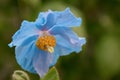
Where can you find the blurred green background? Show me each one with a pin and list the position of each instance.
(100, 58)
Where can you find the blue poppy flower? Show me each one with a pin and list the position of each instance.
(39, 44)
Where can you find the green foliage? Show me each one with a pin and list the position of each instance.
(51, 75)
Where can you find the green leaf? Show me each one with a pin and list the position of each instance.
(51, 75)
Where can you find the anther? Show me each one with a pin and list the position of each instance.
(46, 43)
(50, 49)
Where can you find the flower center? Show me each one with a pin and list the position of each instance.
(46, 43)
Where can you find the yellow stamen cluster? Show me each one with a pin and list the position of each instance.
(46, 42)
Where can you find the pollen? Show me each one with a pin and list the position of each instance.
(46, 43)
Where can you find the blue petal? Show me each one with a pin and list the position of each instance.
(26, 30)
(42, 62)
(41, 20)
(82, 40)
(46, 20)
(50, 21)
(67, 40)
(56, 55)
(66, 18)
(25, 54)
(63, 46)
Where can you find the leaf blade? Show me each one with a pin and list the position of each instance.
(51, 75)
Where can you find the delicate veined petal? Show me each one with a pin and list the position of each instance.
(66, 33)
(25, 54)
(56, 55)
(44, 60)
(82, 40)
(23, 41)
(41, 20)
(66, 48)
(27, 29)
(41, 62)
(46, 20)
(50, 21)
(63, 46)
(67, 40)
(15, 37)
(66, 18)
